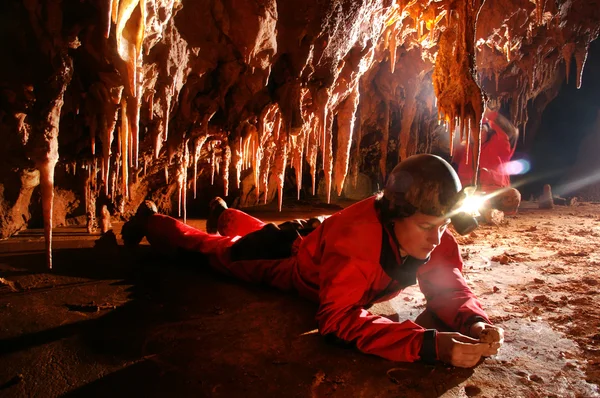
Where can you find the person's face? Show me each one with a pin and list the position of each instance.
(419, 234)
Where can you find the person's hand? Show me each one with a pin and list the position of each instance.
(493, 336)
(459, 350)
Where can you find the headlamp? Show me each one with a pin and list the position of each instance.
(464, 218)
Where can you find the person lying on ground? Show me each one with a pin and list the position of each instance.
(361, 255)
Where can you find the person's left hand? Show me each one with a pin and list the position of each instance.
(486, 333)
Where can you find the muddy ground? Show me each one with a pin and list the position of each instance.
(108, 321)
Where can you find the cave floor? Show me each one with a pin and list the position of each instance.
(109, 321)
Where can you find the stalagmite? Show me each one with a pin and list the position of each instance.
(345, 121)
(105, 224)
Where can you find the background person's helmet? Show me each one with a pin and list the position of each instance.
(427, 184)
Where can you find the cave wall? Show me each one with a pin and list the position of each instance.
(180, 100)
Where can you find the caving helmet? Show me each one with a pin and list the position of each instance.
(427, 184)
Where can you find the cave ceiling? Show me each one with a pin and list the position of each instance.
(141, 98)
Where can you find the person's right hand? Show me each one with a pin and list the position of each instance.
(459, 350)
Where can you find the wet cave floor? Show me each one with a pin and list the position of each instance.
(110, 321)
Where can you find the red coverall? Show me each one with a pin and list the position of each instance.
(495, 153)
(346, 264)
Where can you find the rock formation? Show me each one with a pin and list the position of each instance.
(148, 97)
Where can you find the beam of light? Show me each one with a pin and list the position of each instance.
(516, 167)
(574, 186)
(314, 331)
(472, 204)
(475, 200)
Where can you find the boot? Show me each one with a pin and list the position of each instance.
(216, 207)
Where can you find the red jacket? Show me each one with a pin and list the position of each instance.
(341, 262)
(346, 264)
(495, 153)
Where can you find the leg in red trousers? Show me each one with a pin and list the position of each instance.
(170, 235)
(234, 222)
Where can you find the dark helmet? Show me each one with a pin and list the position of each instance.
(424, 183)
(427, 184)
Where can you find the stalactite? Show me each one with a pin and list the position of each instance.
(182, 167)
(238, 160)
(268, 160)
(297, 148)
(115, 176)
(213, 161)
(280, 165)
(393, 45)
(226, 159)
(166, 110)
(345, 122)
(580, 58)
(158, 138)
(356, 163)
(108, 22)
(124, 150)
(115, 10)
(385, 139)
(167, 174)
(151, 105)
(199, 143)
(130, 35)
(312, 150)
(321, 99)
(408, 114)
(43, 143)
(134, 107)
(328, 156)
(454, 77)
(93, 128)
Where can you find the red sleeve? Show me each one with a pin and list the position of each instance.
(445, 289)
(343, 292)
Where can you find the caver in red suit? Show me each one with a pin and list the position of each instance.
(496, 151)
(346, 264)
